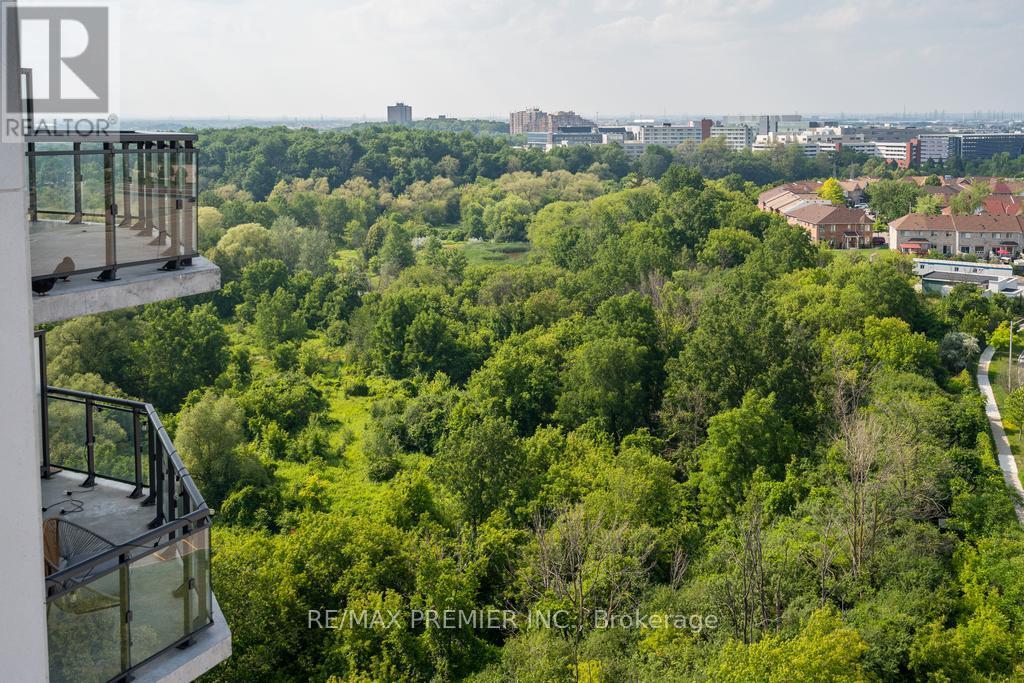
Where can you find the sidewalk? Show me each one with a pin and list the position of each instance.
(995, 420)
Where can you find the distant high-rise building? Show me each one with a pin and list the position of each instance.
(400, 113)
(537, 121)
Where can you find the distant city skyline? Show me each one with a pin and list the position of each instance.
(312, 58)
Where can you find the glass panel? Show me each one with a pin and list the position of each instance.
(87, 632)
(190, 213)
(115, 448)
(170, 594)
(60, 240)
(151, 184)
(93, 188)
(67, 433)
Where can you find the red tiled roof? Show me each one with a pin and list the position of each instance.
(981, 223)
(1006, 204)
(817, 214)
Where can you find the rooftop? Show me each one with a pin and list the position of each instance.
(979, 223)
(827, 213)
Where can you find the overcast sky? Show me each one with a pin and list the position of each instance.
(338, 58)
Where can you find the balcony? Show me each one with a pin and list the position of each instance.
(126, 538)
(113, 221)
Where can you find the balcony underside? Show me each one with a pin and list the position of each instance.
(136, 285)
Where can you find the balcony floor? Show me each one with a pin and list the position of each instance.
(105, 508)
(57, 246)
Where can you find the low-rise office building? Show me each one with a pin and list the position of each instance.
(565, 137)
(976, 146)
(737, 136)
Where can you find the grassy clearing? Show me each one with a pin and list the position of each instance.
(493, 253)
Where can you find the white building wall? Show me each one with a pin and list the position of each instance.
(934, 147)
(22, 591)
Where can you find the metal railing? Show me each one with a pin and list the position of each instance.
(97, 203)
(111, 612)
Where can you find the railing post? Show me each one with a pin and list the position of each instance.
(126, 185)
(33, 184)
(90, 446)
(151, 454)
(172, 493)
(44, 405)
(161, 193)
(189, 196)
(189, 577)
(145, 223)
(158, 482)
(140, 189)
(124, 581)
(77, 218)
(110, 215)
(175, 206)
(137, 444)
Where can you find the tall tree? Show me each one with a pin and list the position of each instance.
(181, 349)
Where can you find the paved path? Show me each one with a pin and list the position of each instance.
(1006, 461)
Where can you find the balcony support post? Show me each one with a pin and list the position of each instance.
(90, 446)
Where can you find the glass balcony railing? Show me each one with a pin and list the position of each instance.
(126, 538)
(97, 203)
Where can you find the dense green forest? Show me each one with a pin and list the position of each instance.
(446, 374)
(255, 159)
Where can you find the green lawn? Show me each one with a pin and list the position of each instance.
(997, 376)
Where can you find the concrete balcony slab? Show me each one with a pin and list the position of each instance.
(135, 286)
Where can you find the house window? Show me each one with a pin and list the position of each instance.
(965, 250)
(967, 235)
